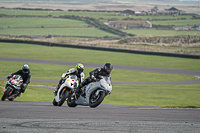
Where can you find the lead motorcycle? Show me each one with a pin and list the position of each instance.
(93, 94)
(68, 86)
(13, 86)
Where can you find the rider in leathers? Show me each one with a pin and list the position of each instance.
(95, 75)
(78, 71)
(26, 76)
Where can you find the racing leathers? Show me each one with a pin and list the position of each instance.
(71, 71)
(94, 75)
(25, 76)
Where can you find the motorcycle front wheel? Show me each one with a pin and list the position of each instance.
(63, 96)
(54, 102)
(71, 101)
(6, 93)
(95, 100)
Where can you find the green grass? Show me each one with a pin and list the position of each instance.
(39, 22)
(151, 95)
(167, 96)
(58, 31)
(95, 56)
(36, 94)
(96, 15)
(176, 22)
(46, 71)
(155, 95)
(154, 32)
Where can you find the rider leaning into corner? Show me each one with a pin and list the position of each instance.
(78, 71)
(26, 76)
(95, 75)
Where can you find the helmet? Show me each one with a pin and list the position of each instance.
(108, 68)
(79, 68)
(25, 68)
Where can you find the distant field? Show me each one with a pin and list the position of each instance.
(154, 32)
(39, 22)
(58, 31)
(177, 22)
(97, 15)
(105, 17)
(56, 22)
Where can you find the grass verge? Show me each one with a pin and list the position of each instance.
(168, 96)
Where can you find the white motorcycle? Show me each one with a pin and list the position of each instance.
(70, 83)
(93, 94)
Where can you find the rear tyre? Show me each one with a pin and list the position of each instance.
(95, 100)
(63, 97)
(71, 101)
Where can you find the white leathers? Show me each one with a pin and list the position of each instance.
(71, 71)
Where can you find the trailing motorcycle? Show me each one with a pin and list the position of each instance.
(68, 85)
(93, 94)
(13, 86)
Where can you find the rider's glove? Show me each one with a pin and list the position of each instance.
(8, 77)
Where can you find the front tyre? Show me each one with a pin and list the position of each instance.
(95, 100)
(54, 102)
(6, 93)
(71, 101)
(63, 96)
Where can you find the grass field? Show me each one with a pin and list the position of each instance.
(27, 26)
(177, 22)
(154, 32)
(83, 55)
(39, 22)
(154, 95)
(96, 15)
(58, 31)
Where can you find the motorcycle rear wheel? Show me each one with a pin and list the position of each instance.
(6, 94)
(64, 95)
(94, 100)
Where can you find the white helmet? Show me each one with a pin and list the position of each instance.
(25, 68)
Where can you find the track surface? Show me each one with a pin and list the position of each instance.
(39, 117)
(44, 117)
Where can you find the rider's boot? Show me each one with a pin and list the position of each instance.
(19, 93)
(83, 93)
(78, 91)
(56, 90)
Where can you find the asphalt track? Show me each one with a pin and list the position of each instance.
(40, 117)
(43, 117)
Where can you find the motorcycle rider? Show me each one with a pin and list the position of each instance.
(78, 71)
(95, 75)
(26, 76)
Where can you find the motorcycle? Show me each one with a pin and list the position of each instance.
(13, 86)
(93, 94)
(69, 84)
